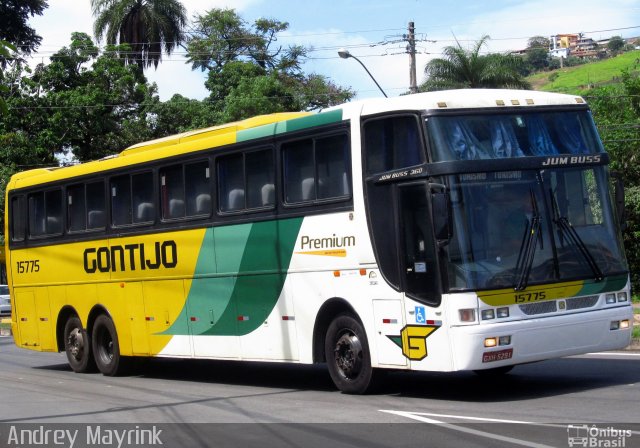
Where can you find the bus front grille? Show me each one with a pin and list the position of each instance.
(531, 309)
(577, 303)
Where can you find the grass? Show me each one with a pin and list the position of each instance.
(635, 334)
(578, 79)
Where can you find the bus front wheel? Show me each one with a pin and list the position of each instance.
(106, 349)
(347, 354)
(77, 346)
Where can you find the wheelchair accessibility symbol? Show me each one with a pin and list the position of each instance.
(420, 315)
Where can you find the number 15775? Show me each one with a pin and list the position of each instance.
(28, 266)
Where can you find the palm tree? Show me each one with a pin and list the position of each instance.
(147, 26)
(460, 68)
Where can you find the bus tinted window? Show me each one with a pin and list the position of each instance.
(120, 201)
(260, 178)
(197, 188)
(299, 171)
(332, 167)
(76, 202)
(392, 143)
(45, 213)
(316, 169)
(246, 181)
(96, 210)
(185, 190)
(142, 189)
(17, 218)
(231, 183)
(490, 136)
(172, 192)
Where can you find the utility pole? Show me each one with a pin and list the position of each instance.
(411, 49)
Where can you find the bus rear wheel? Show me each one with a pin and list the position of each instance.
(77, 346)
(347, 355)
(106, 349)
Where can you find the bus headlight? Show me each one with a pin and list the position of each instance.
(610, 298)
(468, 315)
(503, 312)
(622, 296)
(488, 314)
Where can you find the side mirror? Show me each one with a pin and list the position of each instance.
(618, 195)
(441, 210)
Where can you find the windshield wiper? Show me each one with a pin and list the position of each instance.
(567, 229)
(528, 247)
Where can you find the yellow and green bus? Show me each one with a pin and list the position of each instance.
(443, 231)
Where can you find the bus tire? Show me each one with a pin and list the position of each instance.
(106, 350)
(77, 346)
(347, 354)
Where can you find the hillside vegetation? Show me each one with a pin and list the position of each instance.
(584, 77)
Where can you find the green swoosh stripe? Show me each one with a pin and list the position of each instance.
(251, 262)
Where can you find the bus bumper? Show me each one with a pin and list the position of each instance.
(539, 339)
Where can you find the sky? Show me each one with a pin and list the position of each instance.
(371, 30)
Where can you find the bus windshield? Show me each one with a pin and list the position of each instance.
(512, 229)
(491, 136)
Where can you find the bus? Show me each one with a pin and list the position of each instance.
(443, 231)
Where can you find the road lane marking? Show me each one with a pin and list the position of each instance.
(611, 354)
(419, 417)
(483, 419)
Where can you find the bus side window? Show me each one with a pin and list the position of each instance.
(76, 202)
(96, 210)
(18, 218)
(246, 181)
(120, 200)
(143, 204)
(259, 170)
(197, 188)
(392, 143)
(299, 172)
(317, 169)
(231, 183)
(172, 192)
(45, 213)
(332, 159)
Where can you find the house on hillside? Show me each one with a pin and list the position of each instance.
(565, 45)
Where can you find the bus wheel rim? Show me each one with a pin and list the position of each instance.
(76, 343)
(348, 355)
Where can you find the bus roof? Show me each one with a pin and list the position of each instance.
(200, 139)
(266, 125)
(466, 99)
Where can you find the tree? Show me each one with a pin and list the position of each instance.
(538, 42)
(14, 15)
(537, 56)
(615, 44)
(147, 26)
(461, 68)
(83, 102)
(616, 111)
(6, 50)
(248, 75)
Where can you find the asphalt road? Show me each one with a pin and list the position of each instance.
(214, 403)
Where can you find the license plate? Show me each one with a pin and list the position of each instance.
(497, 356)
